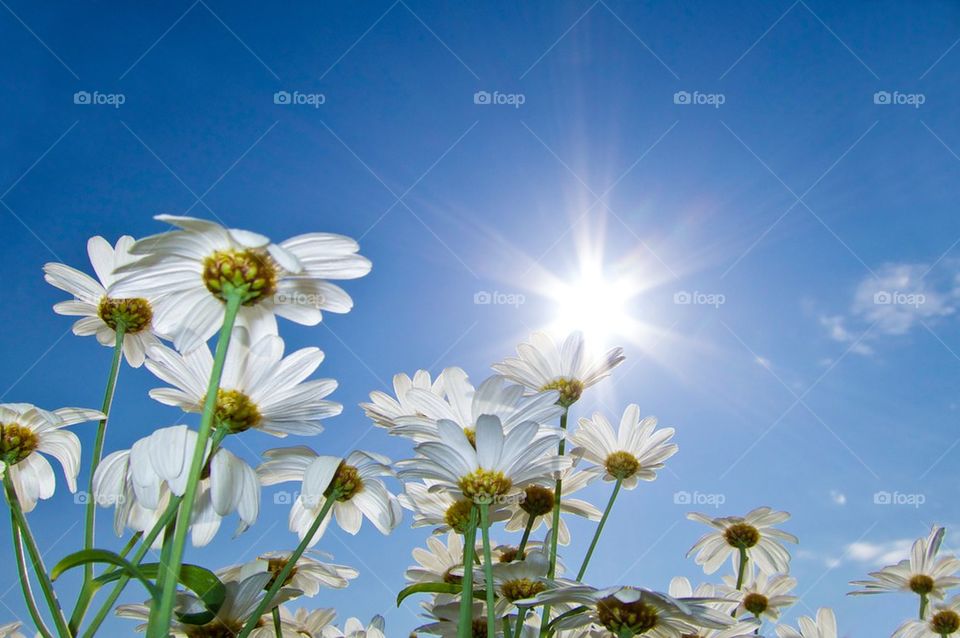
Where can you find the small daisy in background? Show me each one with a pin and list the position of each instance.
(823, 626)
(384, 410)
(680, 589)
(305, 623)
(354, 628)
(439, 562)
(538, 501)
(541, 364)
(439, 509)
(102, 310)
(309, 575)
(753, 536)
(25, 431)
(761, 595)
(943, 619)
(195, 268)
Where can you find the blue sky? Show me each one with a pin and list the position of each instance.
(790, 168)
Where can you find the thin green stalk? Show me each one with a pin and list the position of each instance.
(488, 569)
(555, 523)
(160, 614)
(521, 617)
(465, 622)
(526, 536)
(741, 572)
(277, 625)
(923, 605)
(46, 586)
(280, 579)
(145, 546)
(25, 580)
(86, 588)
(596, 535)
(507, 626)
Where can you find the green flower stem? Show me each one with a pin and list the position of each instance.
(923, 605)
(521, 617)
(87, 589)
(161, 614)
(138, 556)
(46, 586)
(742, 571)
(526, 536)
(25, 580)
(465, 622)
(488, 569)
(555, 524)
(596, 535)
(277, 625)
(280, 579)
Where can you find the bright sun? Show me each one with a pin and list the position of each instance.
(595, 305)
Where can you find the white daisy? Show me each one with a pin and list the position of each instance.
(383, 409)
(309, 575)
(680, 588)
(242, 599)
(443, 615)
(437, 508)
(537, 502)
(541, 365)
(640, 611)
(464, 405)
(753, 534)
(306, 623)
(517, 580)
(353, 628)
(438, 562)
(943, 619)
(193, 269)
(632, 454)
(924, 573)
(113, 487)
(11, 630)
(26, 430)
(101, 309)
(260, 388)
(361, 492)
(825, 626)
(500, 466)
(762, 595)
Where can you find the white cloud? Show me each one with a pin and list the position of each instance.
(879, 554)
(839, 498)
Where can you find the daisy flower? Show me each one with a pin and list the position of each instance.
(633, 609)
(762, 595)
(309, 574)
(361, 492)
(443, 616)
(384, 410)
(26, 430)
(242, 599)
(942, 620)
(11, 630)
(680, 588)
(498, 468)
(439, 509)
(824, 626)
(537, 502)
(353, 628)
(632, 454)
(101, 309)
(194, 268)
(438, 562)
(541, 364)
(518, 581)
(260, 388)
(464, 405)
(306, 623)
(924, 573)
(754, 534)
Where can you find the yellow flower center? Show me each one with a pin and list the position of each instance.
(133, 314)
(756, 604)
(742, 535)
(945, 622)
(457, 516)
(235, 411)
(450, 578)
(921, 584)
(616, 615)
(521, 588)
(471, 434)
(215, 629)
(570, 390)
(249, 272)
(622, 465)
(346, 481)
(16, 443)
(511, 554)
(537, 500)
(483, 486)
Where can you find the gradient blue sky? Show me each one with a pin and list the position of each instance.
(797, 200)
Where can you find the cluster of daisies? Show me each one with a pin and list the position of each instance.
(500, 455)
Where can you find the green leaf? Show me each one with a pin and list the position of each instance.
(203, 582)
(435, 588)
(104, 556)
